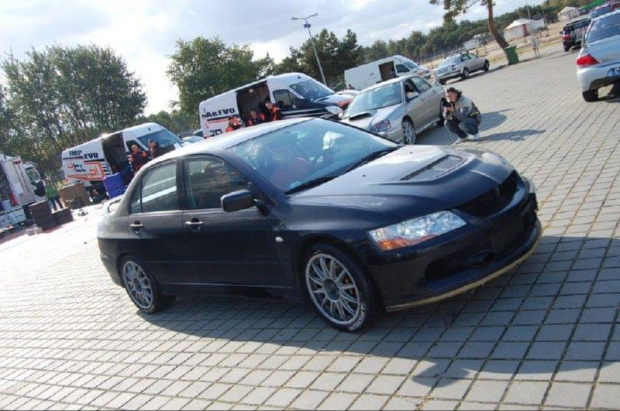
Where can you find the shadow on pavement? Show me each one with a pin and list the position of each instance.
(492, 329)
(493, 119)
(516, 135)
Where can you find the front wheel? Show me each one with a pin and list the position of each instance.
(142, 288)
(409, 135)
(441, 120)
(465, 74)
(590, 95)
(339, 289)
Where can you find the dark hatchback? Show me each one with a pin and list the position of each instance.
(315, 209)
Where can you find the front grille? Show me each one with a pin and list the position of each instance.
(494, 200)
(435, 169)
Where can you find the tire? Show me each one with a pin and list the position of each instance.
(409, 135)
(332, 277)
(442, 82)
(566, 48)
(465, 74)
(590, 95)
(486, 66)
(141, 286)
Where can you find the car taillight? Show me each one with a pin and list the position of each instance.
(566, 37)
(586, 60)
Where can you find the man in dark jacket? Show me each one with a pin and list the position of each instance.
(462, 116)
(154, 149)
(138, 158)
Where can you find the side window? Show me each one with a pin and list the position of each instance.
(472, 57)
(409, 86)
(464, 57)
(207, 180)
(401, 68)
(421, 84)
(284, 99)
(131, 143)
(157, 191)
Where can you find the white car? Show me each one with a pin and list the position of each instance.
(398, 109)
(460, 65)
(598, 64)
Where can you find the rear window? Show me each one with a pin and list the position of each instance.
(604, 28)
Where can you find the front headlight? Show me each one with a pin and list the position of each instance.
(333, 109)
(415, 231)
(381, 127)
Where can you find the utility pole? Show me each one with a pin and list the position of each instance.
(307, 26)
(528, 10)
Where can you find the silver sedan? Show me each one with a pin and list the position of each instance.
(460, 65)
(398, 109)
(598, 64)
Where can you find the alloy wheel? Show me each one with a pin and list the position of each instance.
(138, 285)
(333, 289)
(409, 136)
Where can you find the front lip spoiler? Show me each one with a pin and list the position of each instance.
(470, 286)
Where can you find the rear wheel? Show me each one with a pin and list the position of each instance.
(486, 66)
(442, 82)
(566, 48)
(340, 289)
(142, 287)
(441, 120)
(465, 74)
(590, 95)
(409, 135)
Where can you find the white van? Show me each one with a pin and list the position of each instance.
(296, 94)
(108, 154)
(369, 74)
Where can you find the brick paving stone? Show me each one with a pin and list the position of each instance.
(309, 400)
(283, 397)
(568, 395)
(369, 402)
(338, 401)
(606, 396)
(526, 392)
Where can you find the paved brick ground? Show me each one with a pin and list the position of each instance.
(545, 336)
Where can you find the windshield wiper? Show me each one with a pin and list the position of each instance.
(370, 157)
(311, 183)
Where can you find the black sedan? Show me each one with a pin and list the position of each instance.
(310, 208)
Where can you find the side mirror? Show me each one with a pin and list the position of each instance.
(237, 200)
(340, 115)
(412, 94)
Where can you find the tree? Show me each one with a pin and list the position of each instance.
(204, 68)
(61, 97)
(456, 7)
(176, 121)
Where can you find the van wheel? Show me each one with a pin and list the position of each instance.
(340, 289)
(409, 135)
(142, 288)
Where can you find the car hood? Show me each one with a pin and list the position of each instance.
(334, 99)
(369, 118)
(413, 181)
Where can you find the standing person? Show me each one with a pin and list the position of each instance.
(51, 192)
(274, 112)
(534, 42)
(154, 149)
(462, 116)
(233, 124)
(255, 118)
(138, 158)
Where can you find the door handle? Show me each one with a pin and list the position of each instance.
(194, 224)
(136, 226)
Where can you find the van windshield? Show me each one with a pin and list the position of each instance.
(410, 65)
(164, 137)
(311, 89)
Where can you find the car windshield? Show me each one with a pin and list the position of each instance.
(164, 137)
(374, 99)
(311, 89)
(309, 153)
(604, 28)
(450, 60)
(600, 11)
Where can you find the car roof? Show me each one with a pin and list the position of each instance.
(607, 15)
(227, 140)
(388, 82)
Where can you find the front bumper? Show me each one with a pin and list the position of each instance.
(448, 75)
(460, 262)
(595, 77)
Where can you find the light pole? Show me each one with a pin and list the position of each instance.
(307, 26)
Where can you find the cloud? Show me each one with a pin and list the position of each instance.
(145, 32)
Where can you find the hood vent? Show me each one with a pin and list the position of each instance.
(436, 169)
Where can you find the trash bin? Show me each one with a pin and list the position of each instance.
(511, 55)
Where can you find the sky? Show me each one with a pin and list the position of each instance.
(145, 32)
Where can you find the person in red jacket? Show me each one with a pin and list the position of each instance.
(233, 124)
(274, 111)
(255, 118)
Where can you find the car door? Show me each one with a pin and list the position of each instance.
(426, 109)
(155, 232)
(476, 62)
(234, 248)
